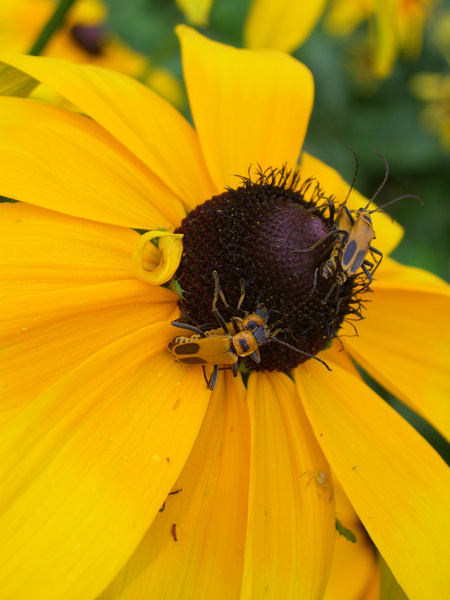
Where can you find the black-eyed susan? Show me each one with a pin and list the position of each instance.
(100, 423)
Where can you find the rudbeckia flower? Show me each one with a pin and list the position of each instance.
(124, 475)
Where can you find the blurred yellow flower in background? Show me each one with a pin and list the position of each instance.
(83, 38)
(394, 27)
(433, 88)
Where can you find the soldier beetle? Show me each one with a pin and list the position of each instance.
(229, 343)
(355, 233)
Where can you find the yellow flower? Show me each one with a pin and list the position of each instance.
(82, 39)
(100, 424)
(434, 88)
(395, 26)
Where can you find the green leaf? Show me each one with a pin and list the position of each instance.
(349, 535)
(176, 288)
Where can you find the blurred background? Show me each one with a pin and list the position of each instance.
(382, 79)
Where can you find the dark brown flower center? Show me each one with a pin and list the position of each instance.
(89, 38)
(268, 237)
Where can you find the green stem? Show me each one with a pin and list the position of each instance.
(55, 21)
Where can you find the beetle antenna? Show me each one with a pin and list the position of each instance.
(288, 314)
(382, 183)
(354, 175)
(396, 200)
(274, 339)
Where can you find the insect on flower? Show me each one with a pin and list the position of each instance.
(228, 344)
(355, 234)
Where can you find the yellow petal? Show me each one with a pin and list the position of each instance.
(144, 123)
(354, 572)
(196, 11)
(393, 273)
(73, 166)
(15, 83)
(386, 38)
(42, 250)
(249, 107)
(291, 520)
(84, 468)
(404, 342)
(355, 569)
(396, 482)
(281, 24)
(388, 232)
(209, 514)
(44, 336)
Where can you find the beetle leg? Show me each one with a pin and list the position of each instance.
(218, 292)
(315, 282)
(379, 253)
(182, 325)
(375, 251)
(349, 214)
(256, 356)
(204, 375)
(325, 300)
(211, 382)
(241, 297)
(236, 322)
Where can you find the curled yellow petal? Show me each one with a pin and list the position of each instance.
(157, 265)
